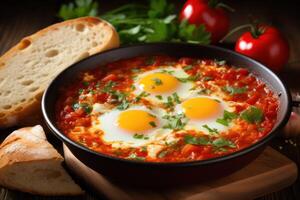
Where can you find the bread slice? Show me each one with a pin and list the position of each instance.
(30, 164)
(27, 68)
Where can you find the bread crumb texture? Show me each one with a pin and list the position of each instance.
(27, 69)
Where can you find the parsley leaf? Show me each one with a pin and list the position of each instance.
(133, 156)
(78, 8)
(123, 105)
(163, 153)
(189, 78)
(222, 142)
(108, 87)
(157, 81)
(175, 122)
(141, 95)
(188, 67)
(227, 118)
(86, 107)
(140, 136)
(211, 130)
(234, 90)
(159, 97)
(189, 139)
(192, 33)
(153, 124)
(253, 114)
(160, 8)
(171, 100)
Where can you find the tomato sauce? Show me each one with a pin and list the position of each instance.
(255, 114)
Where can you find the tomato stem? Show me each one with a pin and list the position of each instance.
(217, 4)
(236, 29)
(222, 5)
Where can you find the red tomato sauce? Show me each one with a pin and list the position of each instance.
(75, 117)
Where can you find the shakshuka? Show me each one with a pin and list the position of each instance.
(166, 109)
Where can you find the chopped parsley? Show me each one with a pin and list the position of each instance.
(153, 124)
(176, 98)
(227, 118)
(167, 71)
(204, 91)
(218, 144)
(140, 136)
(133, 156)
(211, 130)
(207, 78)
(108, 87)
(123, 105)
(163, 153)
(141, 95)
(144, 149)
(157, 81)
(85, 83)
(188, 67)
(132, 87)
(220, 62)
(80, 91)
(175, 122)
(189, 139)
(222, 142)
(169, 103)
(159, 97)
(253, 114)
(234, 90)
(86, 107)
(171, 100)
(189, 78)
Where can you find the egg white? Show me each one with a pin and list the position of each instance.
(197, 124)
(120, 138)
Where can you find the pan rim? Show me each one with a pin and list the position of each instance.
(214, 160)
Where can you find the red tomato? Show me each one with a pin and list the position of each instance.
(214, 18)
(269, 47)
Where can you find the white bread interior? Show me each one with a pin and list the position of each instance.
(27, 68)
(29, 163)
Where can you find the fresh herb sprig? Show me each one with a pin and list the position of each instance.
(139, 23)
(218, 144)
(175, 122)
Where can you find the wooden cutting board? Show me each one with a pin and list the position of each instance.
(270, 172)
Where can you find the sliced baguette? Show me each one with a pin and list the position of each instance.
(27, 68)
(30, 164)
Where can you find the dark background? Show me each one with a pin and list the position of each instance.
(19, 18)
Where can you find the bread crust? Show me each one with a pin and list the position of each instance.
(28, 145)
(31, 109)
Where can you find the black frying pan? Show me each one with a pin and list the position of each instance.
(154, 174)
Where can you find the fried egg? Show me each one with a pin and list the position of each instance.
(136, 126)
(161, 83)
(202, 113)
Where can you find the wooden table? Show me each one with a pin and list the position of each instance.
(22, 18)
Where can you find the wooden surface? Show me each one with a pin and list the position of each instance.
(22, 18)
(271, 171)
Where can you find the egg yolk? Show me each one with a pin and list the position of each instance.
(201, 108)
(159, 83)
(136, 121)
